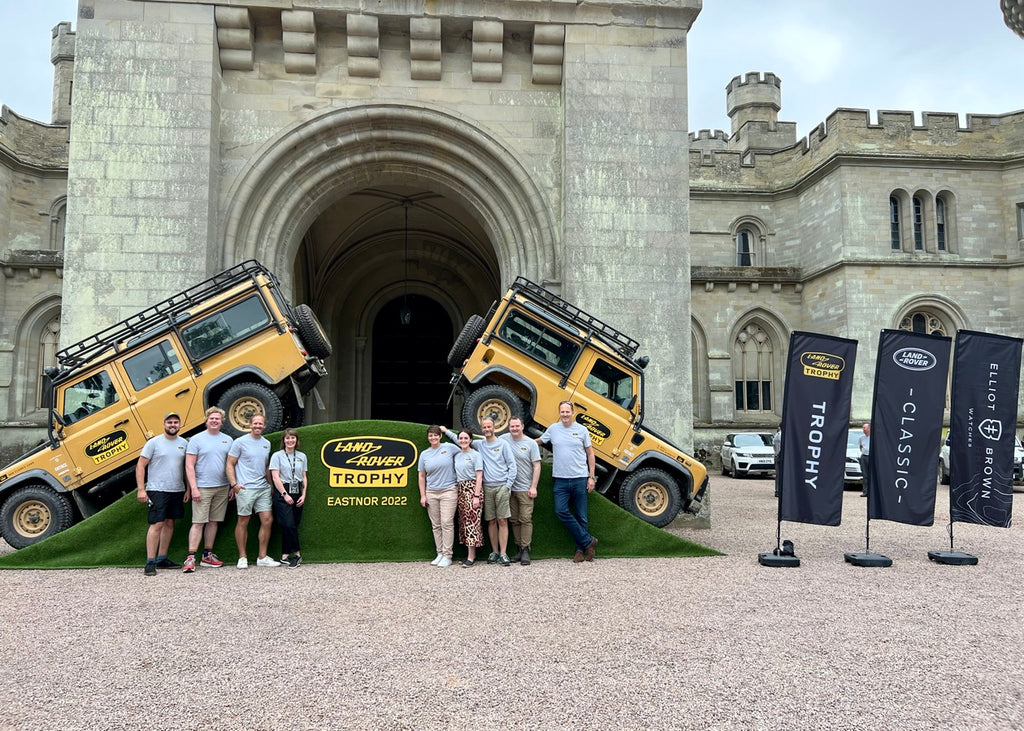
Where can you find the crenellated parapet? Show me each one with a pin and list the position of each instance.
(850, 132)
(34, 145)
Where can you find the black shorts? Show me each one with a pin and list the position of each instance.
(165, 506)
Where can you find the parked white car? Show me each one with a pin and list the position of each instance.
(1018, 461)
(852, 474)
(748, 452)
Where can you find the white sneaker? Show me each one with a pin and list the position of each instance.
(445, 561)
(243, 563)
(267, 561)
(437, 560)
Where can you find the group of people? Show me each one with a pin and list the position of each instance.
(211, 469)
(493, 480)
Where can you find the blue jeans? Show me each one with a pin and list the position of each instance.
(571, 508)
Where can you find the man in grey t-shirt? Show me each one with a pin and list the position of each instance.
(247, 476)
(208, 484)
(573, 469)
(159, 478)
(524, 489)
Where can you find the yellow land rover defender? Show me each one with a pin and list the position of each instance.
(232, 341)
(535, 350)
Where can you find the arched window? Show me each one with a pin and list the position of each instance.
(48, 339)
(924, 322)
(918, 223)
(744, 248)
(701, 393)
(940, 224)
(895, 240)
(58, 218)
(753, 369)
(749, 235)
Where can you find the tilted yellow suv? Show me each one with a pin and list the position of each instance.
(534, 350)
(232, 341)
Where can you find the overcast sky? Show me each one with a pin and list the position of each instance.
(916, 55)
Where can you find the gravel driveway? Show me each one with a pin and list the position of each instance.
(620, 643)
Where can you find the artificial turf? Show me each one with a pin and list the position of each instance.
(332, 531)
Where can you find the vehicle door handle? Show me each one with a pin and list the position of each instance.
(121, 423)
(182, 392)
(581, 407)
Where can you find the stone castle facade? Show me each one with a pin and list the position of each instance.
(426, 154)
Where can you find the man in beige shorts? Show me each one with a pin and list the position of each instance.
(205, 460)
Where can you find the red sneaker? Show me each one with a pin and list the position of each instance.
(190, 565)
(211, 560)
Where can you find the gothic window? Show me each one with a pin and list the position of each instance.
(918, 223)
(753, 369)
(895, 241)
(940, 224)
(749, 235)
(924, 322)
(58, 216)
(744, 248)
(48, 339)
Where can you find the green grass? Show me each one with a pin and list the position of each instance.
(331, 533)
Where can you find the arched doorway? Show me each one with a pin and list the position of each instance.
(354, 207)
(410, 382)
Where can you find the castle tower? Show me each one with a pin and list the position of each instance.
(62, 56)
(753, 102)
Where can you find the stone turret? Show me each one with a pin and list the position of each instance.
(753, 102)
(62, 56)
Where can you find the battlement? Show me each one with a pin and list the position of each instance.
(753, 97)
(31, 143)
(707, 140)
(851, 132)
(754, 78)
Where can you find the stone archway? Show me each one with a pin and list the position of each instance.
(309, 166)
(324, 204)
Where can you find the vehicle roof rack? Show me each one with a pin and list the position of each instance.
(160, 314)
(616, 339)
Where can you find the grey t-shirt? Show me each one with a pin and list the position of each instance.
(526, 453)
(568, 450)
(437, 466)
(166, 469)
(253, 455)
(499, 462)
(291, 467)
(467, 463)
(211, 452)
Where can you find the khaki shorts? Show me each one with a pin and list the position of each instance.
(213, 507)
(253, 500)
(496, 502)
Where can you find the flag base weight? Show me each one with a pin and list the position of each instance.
(875, 560)
(953, 558)
(775, 560)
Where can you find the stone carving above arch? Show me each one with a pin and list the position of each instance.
(313, 164)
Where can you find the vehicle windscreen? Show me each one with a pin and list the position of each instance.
(752, 440)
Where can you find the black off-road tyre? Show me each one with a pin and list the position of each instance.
(495, 402)
(32, 513)
(651, 495)
(312, 332)
(466, 341)
(244, 400)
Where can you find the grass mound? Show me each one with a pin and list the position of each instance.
(332, 531)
